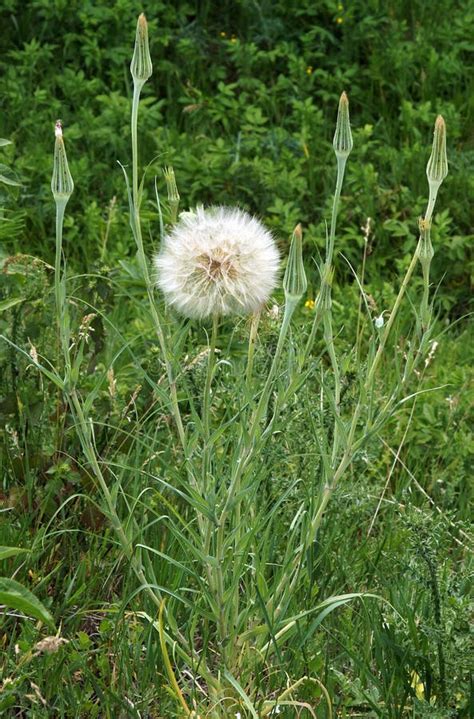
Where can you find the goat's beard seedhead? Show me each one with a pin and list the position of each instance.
(217, 261)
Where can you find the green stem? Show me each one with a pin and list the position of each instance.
(245, 454)
(137, 88)
(59, 286)
(137, 233)
(329, 339)
(362, 280)
(251, 348)
(393, 314)
(341, 167)
(206, 402)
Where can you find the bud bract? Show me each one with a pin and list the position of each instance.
(342, 141)
(425, 248)
(62, 184)
(141, 66)
(171, 186)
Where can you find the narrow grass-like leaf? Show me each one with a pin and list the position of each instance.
(6, 552)
(15, 595)
(6, 304)
(233, 681)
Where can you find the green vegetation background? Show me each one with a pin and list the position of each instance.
(242, 103)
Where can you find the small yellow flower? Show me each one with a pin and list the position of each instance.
(309, 70)
(339, 20)
(309, 304)
(417, 685)
(223, 34)
(233, 39)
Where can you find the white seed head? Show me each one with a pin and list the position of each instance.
(217, 261)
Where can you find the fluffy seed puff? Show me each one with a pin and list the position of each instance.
(217, 261)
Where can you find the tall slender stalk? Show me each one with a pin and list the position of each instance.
(143, 262)
(342, 144)
(206, 402)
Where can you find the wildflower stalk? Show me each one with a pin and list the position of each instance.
(426, 253)
(141, 69)
(366, 231)
(391, 320)
(436, 171)
(294, 285)
(206, 404)
(342, 144)
(326, 303)
(255, 321)
(62, 187)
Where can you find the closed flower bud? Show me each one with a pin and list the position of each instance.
(141, 67)
(294, 282)
(342, 142)
(62, 184)
(425, 248)
(437, 167)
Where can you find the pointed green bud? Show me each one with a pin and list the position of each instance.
(437, 167)
(294, 281)
(141, 67)
(171, 186)
(62, 184)
(342, 142)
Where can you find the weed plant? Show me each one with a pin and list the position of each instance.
(212, 464)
